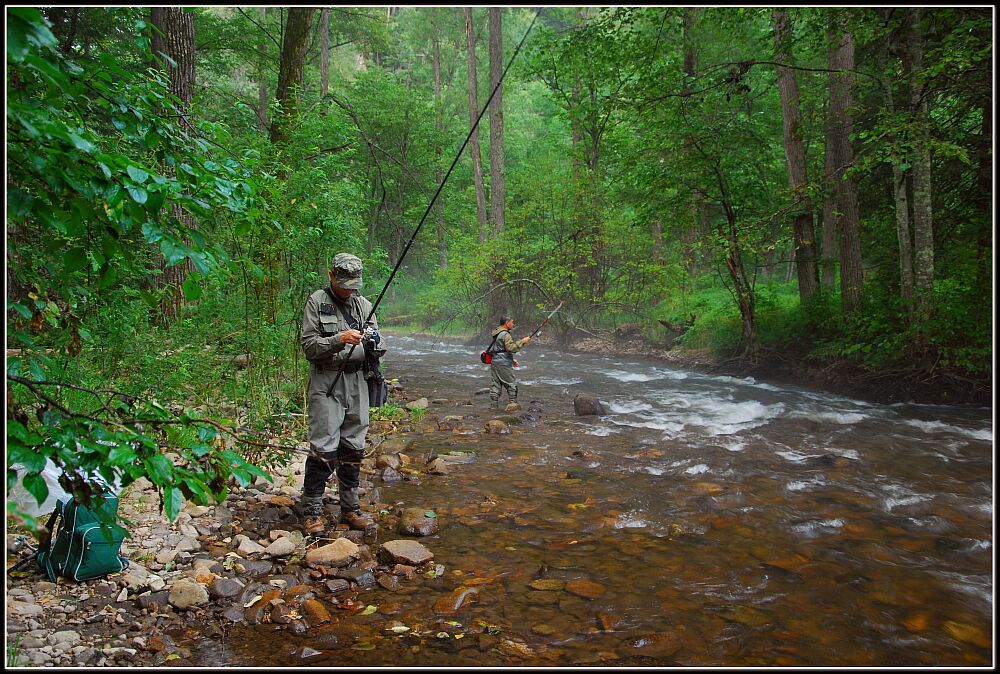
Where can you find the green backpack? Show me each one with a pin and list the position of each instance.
(81, 548)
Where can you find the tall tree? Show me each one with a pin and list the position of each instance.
(261, 77)
(897, 158)
(293, 54)
(841, 56)
(442, 244)
(923, 221)
(174, 51)
(795, 154)
(324, 51)
(498, 192)
(477, 161)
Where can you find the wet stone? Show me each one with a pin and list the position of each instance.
(225, 587)
(389, 582)
(416, 522)
(542, 598)
(587, 589)
(337, 585)
(406, 552)
(234, 613)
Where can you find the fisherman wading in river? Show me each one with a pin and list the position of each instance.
(335, 346)
(503, 349)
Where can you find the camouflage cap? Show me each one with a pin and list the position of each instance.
(346, 270)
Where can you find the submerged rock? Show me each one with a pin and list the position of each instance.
(417, 522)
(585, 404)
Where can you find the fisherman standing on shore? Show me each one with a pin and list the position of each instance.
(503, 349)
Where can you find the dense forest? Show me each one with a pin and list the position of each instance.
(814, 183)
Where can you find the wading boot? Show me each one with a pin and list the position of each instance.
(494, 404)
(312, 516)
(356, 520)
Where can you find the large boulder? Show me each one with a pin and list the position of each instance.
(585, 404)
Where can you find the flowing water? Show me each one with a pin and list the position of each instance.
(704, 521)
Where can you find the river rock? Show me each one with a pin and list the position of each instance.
(585, 404)
(438, 467)
(280, 548)
(315, 612)
(406, 552)
(225, 587)
(246, 546)
(338, 553)
(512, 407)
(587, 589)
(455, 600)
(496, 427)
(387, 461)
(186, 593)
(418, 404)
(416, 522)
(390, 476)
(136, 577)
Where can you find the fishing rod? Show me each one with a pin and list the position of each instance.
(420, 224)
(542, 324)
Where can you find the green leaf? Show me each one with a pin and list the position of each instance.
(75, 260)
(22, 310)
(18, 202)
(137, 193)
(37, 487)
(137, 174)
(81, 143)
(108, 276)
(149, 298)
(173, 499)
(161, 469)
(192, 289)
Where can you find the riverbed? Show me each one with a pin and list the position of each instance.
(702, 521)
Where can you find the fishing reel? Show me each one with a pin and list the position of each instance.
(370, 337)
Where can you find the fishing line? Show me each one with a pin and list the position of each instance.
(420, 224)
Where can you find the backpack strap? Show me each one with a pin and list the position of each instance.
(44, 545)
(494, 342)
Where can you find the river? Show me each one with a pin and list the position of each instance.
(704, 521)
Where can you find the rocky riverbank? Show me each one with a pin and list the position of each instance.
(242, 561)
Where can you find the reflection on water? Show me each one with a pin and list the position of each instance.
(705, 521)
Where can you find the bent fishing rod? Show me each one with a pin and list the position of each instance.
(553, 313)
(420, 224)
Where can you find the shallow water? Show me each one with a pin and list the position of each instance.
(705, 521)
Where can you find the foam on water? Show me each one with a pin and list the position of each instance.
(818, 527)
(697, 470)
(844, 418)
(621, 375)
(630, 521)
(938, 426)
(804, 485)
(629, 407)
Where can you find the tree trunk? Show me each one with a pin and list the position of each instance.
(261, 79)
(923, 223)
(656, 230)
(174, 38)
(898, 188)
(692, 235)
(442, 244)
(324, 51)
(497, 187)
(293, 53)
(795, 154)
(841, 100)
(477, 162)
